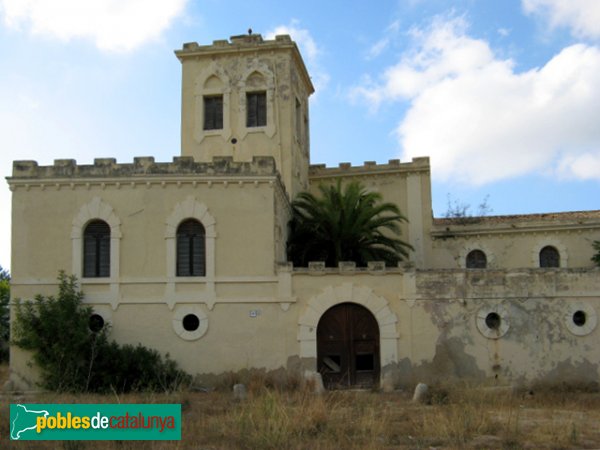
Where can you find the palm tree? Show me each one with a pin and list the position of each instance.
(348, 224)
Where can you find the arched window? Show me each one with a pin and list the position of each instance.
(476, 259)
(549, 257)
(191, 254)
(96, 250)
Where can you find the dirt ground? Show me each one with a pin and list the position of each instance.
(454, 417)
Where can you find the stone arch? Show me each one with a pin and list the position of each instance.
(476, 245)
(349, 293)
(255, 80)
(549, 242)
(190, 208)
(213, 82)
(95, 209)
(203, 85)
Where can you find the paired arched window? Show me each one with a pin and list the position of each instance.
(96, 250)
(191, 249)
(476, 259)
(549, 257)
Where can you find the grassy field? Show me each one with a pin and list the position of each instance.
(456, 417)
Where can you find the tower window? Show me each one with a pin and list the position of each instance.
(191, 255)
(298, 120)
(476, 259)
(213, 112)
(549, 257)
(256, 109)
(96, 250)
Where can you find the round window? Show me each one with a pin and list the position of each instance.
(492, 320)
(191, 322)
(579, 318)
(96, 323)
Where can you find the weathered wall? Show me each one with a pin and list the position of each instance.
(511, 242)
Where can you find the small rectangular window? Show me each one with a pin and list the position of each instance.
(298, 120)
(213, 112)
(256, 109)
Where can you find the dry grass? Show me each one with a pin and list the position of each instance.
(457, 417)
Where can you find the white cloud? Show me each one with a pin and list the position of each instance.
(481, 121)
(382, 44)
(582, 16)
(113, 25)
(309, 49)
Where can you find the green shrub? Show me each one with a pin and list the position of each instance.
(4, 313)
(73, 358)
(596, 257)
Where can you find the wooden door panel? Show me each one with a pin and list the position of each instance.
(348, 347)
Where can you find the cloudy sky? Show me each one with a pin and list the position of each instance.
(504, 96)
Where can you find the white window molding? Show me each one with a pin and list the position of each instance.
(190, 208)
(200, 91)
(96, 209)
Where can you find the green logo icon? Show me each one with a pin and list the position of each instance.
(95, 422)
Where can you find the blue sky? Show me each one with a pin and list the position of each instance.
(504, 96)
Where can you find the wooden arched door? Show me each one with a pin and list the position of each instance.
(348, 347)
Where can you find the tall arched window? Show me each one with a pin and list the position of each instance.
(476, 259)
(191, 254)
(549, 257)
(96, 250)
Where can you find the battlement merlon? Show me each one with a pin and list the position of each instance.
(144, 167)
(420, 164)
(246, 43)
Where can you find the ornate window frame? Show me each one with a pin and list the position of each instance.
(268, 87)
(200, 92)
(93, 210)
(190, 208)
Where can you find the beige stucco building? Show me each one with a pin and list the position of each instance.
(188, 256)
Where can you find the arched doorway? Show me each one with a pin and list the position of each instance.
(348, 347)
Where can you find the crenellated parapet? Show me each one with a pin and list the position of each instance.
(420, 164)
(144, 167)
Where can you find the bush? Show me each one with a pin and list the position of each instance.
(596, 257)
(73, 358)
(4, 313)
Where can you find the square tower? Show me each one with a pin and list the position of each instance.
(247, 97)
